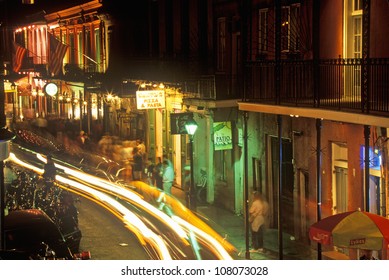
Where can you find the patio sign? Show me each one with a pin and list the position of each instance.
(222, 136)
(150, 99)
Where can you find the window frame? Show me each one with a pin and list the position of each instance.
(263, 31)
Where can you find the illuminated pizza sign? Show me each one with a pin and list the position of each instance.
(150, 99)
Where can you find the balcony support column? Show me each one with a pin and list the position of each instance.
(367, 167)
(365, 57)
(280, 235)
(316, 52)
(246, 184)
(277, 71)
(318, 178)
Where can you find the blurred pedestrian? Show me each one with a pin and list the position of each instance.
(137, 165)
(141, 146)
(81, 138)
(367, 255)
(49, 175)
(126, 152)
(150, 172)
(167, 176)
(68, 127)
(142, 149)
(158, 172)
(49, 169)
(87, 140)
(104, 144)
(258, 215)
(115, 149)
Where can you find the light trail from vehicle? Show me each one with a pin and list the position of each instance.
(184, 213)
(129, 219)
(223, 254)
(118, 190)
(179, 224)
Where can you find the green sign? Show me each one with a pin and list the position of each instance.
(222, 136)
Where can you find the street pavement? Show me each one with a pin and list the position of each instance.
(232, 227)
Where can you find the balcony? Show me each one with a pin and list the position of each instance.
(213, 87)
(340, 85)
(33, 64)
(202, 87)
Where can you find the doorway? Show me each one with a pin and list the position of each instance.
(374, 195)
(341, 190)
(287, 188)
(339, 178)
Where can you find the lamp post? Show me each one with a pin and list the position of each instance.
(50, 89)
(108, 99)
(13, 87)
(191, 127)
(34, 94)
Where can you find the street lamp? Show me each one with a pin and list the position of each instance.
(51, 89)
(13, 87)
(108, 101)
(191, 127)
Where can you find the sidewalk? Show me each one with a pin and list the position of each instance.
(232, 227)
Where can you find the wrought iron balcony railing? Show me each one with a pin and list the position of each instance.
(339, 84)
(202, 87)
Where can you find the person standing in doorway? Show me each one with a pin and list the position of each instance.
(167, 176)
(258, 214)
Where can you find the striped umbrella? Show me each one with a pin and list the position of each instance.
(354, 229)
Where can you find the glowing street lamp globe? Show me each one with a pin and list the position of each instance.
(51, 89)
(191, 127)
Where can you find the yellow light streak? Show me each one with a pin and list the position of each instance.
(220, 246)
(128, 218)
(118, 190)
(219, 249)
